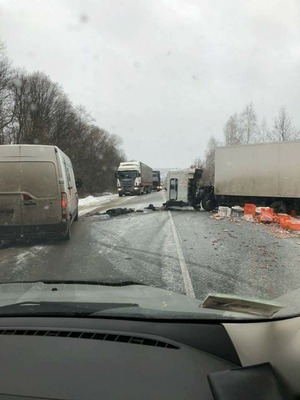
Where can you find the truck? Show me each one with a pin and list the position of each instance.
(182, 186)
(266, 174)
(38, 192)
(133, 178)
(156, 181)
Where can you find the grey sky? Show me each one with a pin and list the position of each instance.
(164, 75)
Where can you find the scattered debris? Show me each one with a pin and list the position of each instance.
(248, 218)
(216, 216)
(279, 218)
(281, 233)
(266, 215)
(104, 216)
(150, 207)
(294, 225)
(237, 211)
(235, 220)
(114, 212)
(249, 212)
(175, 203)
(224, 211)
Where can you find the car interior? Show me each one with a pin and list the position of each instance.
(90, 358)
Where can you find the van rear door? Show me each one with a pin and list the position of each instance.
(10, 197)
(41, 202)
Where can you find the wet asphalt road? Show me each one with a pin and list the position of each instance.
(189, 252)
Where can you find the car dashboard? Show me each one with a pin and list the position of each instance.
(90, 358)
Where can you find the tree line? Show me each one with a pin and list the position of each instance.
(36, 110)
(245, 128)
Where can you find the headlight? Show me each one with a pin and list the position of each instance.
(119, 189)
(136, 188)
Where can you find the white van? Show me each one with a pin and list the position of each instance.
(38, 194)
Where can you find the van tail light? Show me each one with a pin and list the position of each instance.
(64, 205)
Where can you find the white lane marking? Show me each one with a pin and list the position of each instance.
(184, 269)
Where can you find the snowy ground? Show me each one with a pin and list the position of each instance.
(90, 203)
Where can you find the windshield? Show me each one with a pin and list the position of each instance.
(155, 177)
(149, 157)
(127, 174)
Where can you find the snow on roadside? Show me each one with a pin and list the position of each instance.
(89, 203)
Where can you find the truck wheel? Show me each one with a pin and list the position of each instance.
(120, 195)
(209, 203)
(279, 207)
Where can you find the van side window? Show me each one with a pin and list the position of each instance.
(67, 169)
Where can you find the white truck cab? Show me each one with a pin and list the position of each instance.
(134, 177)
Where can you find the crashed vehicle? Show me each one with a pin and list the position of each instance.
(266, 174)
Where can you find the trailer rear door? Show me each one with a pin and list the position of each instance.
(41, 203)
(10, 197)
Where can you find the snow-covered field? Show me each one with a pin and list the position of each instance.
(90, 203)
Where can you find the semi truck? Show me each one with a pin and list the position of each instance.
(133, 178)
(266, 174)
(156, 181)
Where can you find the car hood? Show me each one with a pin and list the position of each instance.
(150, 301)
(138, 299)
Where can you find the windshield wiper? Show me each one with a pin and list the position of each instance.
(59, 309)
(79, 282)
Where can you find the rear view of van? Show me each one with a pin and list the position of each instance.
(38, 194)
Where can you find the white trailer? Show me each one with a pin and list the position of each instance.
(264, 173)
(134, 177)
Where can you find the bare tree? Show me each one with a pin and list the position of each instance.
(232, 131)
(248, 124)
(6, 99)
(263, 131)
(198, 163)
(283, 129)
(36, 103)
(209, 163)
(33, 109)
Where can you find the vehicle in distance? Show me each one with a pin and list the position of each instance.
(156, 181)
(38, 194)
(133, 178)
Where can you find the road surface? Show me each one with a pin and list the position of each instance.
(190, 252)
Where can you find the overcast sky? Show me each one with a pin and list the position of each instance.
(164, 75)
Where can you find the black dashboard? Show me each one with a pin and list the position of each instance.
(88, 358)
